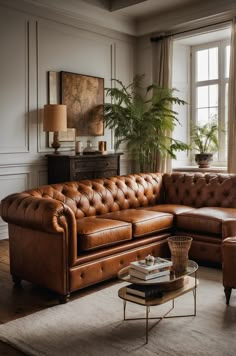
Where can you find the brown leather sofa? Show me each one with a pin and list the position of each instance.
(69, 236)
(229, 266)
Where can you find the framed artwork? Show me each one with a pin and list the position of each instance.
(84, 97)
(66, 138)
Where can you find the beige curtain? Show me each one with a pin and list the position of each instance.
(161, 74)
(232, 104)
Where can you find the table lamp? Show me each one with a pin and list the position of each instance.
(55, 120)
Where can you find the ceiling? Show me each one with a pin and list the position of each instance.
(138, 9)
(138, 17)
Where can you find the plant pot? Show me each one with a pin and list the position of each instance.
(204, 159)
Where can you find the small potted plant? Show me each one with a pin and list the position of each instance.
(205, 139)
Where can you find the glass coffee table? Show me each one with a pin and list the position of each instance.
(171, 287)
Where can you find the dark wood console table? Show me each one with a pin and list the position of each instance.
(73, 167)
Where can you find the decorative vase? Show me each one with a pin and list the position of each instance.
(89, 147)
(204, 159)
(102, 146)
(78, 147)
(179, 248)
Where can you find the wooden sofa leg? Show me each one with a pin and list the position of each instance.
(17, 281)
(64, 298)
(228, 291)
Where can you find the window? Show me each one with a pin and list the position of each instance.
(210, 76)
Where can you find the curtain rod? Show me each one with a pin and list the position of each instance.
(155, 39)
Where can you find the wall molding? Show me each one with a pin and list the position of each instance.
(120, 28)
(26, 147)
(23, 164)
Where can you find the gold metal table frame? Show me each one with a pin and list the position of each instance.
(189, 284)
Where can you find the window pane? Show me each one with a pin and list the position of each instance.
(213, 63)
(202, 65)
(202, 116)
(202, 97)
(227, 60)
(213, 115)
(213, 95)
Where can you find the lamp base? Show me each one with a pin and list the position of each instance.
(55, 144)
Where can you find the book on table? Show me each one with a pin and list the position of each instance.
(158, 265)
(148, 291)
(151, 274)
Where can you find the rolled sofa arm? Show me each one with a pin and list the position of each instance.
(37, 213)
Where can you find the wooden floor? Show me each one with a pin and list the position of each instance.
(18, 302)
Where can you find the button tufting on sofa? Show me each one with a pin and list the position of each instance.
(87, 230)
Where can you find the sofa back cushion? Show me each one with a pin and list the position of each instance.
(101, 196)
(199, 190)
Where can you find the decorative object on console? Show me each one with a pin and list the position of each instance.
(78, 147)
(89, 150)
(179, 247)
(83, 94)
(55, 121)
(102, 147)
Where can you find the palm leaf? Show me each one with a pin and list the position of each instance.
(142, 120)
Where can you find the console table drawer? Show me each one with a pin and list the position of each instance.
(91, 175)
(71, 167)
(82, 175)
(103, 163)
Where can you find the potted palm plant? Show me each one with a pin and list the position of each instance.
(205, 139)
(144, 120)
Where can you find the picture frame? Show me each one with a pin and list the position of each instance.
(66, 138)
(84, 97)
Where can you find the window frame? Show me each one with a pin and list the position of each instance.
(221, 156)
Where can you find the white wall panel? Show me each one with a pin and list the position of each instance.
(14, 32)
(30, 47)
(42, 177)
(11, 183)
(124, 62)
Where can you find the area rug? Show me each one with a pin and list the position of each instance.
(92, 326)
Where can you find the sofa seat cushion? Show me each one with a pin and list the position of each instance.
(170, 208)
(143, 222)
(209, 219)
(94, 233)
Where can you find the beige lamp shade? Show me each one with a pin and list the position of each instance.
(55, 118)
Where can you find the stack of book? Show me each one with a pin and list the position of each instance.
(144, 291)
(160, 267)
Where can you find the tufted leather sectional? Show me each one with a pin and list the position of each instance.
(68, 236)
